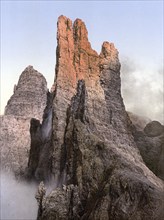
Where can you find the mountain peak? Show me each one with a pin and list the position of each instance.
(86, 148)
(30, 94)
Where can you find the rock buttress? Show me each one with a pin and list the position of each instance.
(99, 171)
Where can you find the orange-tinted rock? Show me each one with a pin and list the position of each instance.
(109, 57)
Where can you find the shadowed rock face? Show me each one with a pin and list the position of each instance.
(40, 157)
(94, 160)
(29, 100)
(154, 129)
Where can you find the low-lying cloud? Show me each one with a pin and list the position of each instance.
(17, 199)
(142, 90)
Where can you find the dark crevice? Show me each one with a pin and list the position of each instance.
(35, 147)
(40, 158)
(71, 205)
(78, 102)
(70, 153)
(64, 149)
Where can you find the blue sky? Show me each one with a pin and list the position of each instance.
(28, 35)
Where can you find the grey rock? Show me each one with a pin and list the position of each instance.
(14, 143)
(30, 95)
(154, 129)
(150, 142)
(29, 100)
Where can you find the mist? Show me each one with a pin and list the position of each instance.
(142, 90)
(17, 199)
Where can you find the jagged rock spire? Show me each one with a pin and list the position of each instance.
(91, 149)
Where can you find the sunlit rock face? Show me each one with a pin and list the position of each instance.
(29, 100)
(89, 153)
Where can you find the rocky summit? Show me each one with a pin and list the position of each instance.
(87, 155)
(30, 95)
(28, 101)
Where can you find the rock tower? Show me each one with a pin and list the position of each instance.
(28, 101)
(90, 154)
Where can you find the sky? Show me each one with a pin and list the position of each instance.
(28, 37)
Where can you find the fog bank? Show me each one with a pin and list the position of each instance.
(142, 90)
(17, 199)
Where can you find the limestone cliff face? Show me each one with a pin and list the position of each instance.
(94, 165)
(29, 100)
